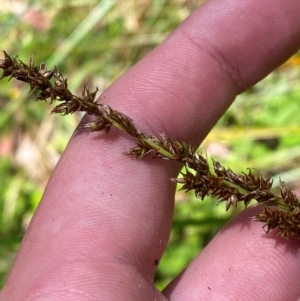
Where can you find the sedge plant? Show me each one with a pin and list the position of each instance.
(280, 212)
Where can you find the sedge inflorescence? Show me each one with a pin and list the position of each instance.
(280, 212)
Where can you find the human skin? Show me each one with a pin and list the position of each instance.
(105, 219)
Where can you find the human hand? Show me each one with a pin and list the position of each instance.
(105, 219)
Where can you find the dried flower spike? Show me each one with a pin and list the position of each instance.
(281, 212)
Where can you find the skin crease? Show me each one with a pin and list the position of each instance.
(105, 219)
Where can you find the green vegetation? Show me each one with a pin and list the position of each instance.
(260, 130)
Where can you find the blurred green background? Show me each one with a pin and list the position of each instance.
(97, 41)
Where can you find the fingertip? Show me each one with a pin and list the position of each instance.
(243, 263)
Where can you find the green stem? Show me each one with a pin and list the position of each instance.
(116, 124)
(159, 149)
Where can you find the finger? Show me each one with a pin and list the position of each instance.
(241, 263)
(225, 47)
(101, 207)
